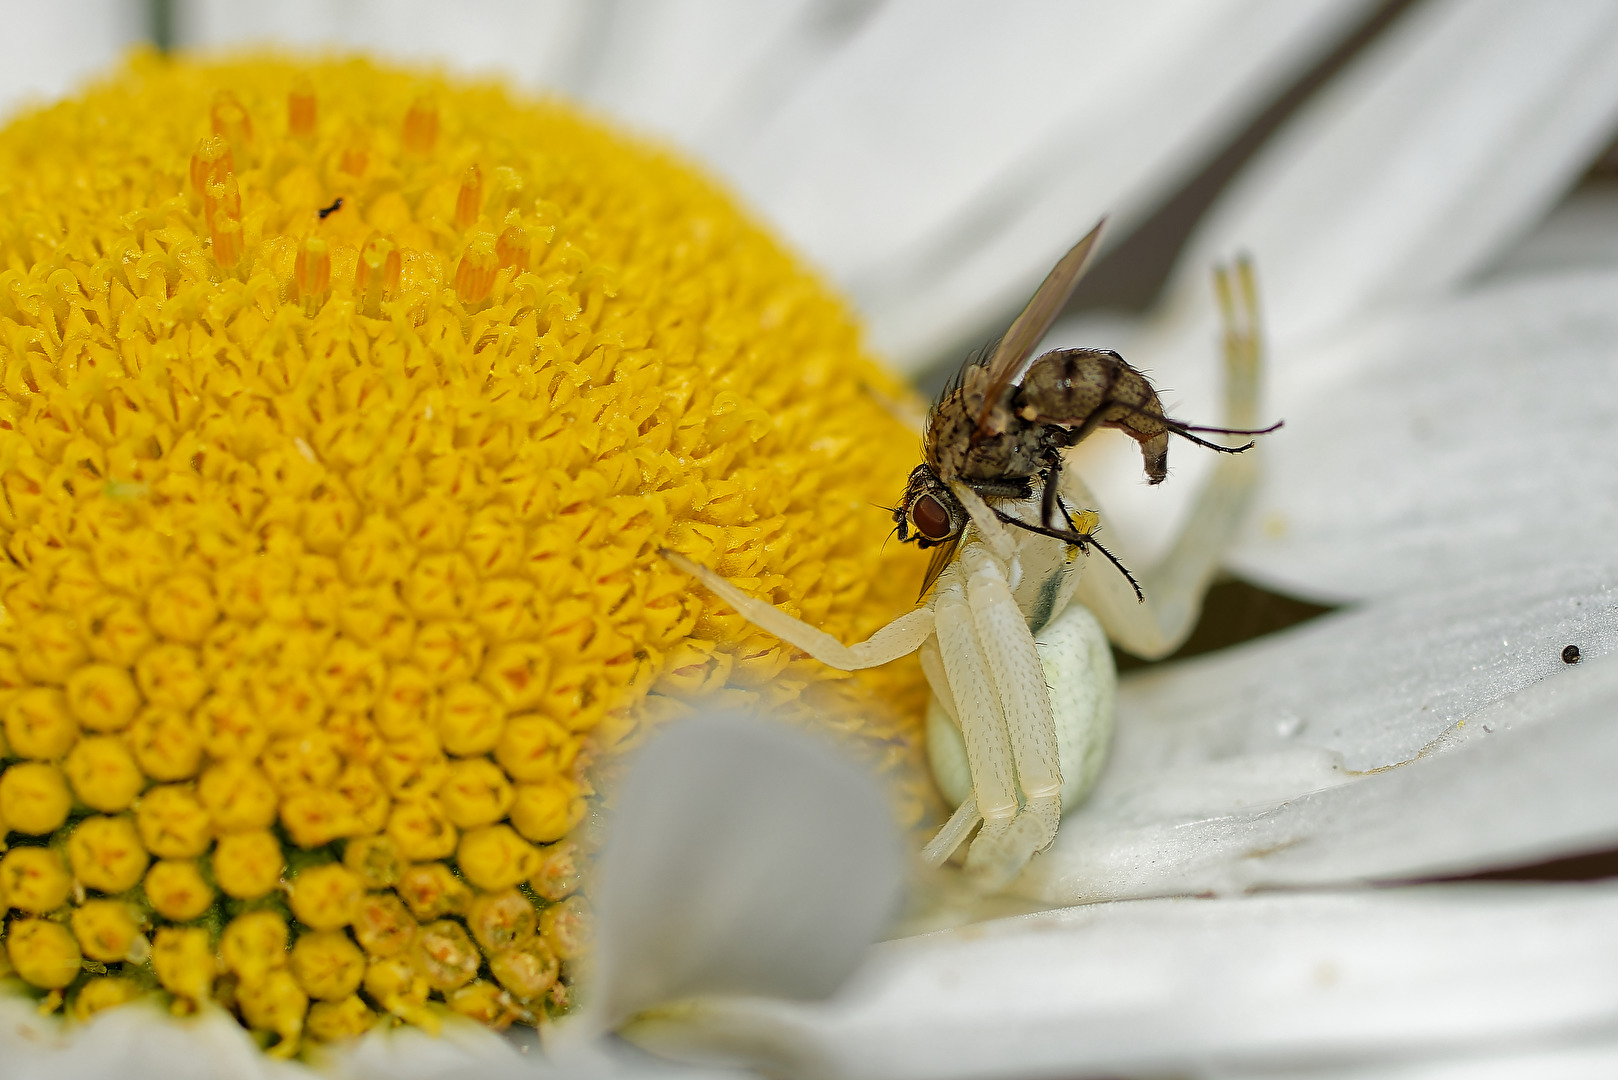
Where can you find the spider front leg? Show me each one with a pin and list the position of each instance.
(997, 694)
(1175, 586)
(901, 637)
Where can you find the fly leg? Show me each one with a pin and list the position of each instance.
(1174, 587)
(900, 637)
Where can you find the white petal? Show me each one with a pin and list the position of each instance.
(1416, 167)
(48, 49)
(743, 857)
(1182, 987)
(941, 160)
(1440, 445)
(1580, 234)
(1434, 733)
(538, 42)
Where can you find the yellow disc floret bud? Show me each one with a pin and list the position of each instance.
(34, 798)
(176, 889)
(326, 897)
(253, 945)
(33, 879)
(104, 774)
(43, 953)
(248, 865)
(107, 854)
(107, 930)
(184, 961)
(334, 1021)
(173, 824)
(495, 857)
(327, 964)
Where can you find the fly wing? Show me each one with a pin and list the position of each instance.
(1036, 319)
(943, 555)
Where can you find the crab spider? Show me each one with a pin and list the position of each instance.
(1013, 635)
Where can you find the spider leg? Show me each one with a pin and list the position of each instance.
(900, 637)
(1175, 585)
(1003, 847)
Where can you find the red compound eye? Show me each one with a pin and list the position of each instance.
(931, 519)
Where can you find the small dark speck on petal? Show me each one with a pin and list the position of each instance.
(1570, 655)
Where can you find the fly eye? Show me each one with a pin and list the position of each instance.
(931, 519)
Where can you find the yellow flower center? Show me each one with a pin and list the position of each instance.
(342, 414)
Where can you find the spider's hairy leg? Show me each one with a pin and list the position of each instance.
(1174, 587)
(900, 637)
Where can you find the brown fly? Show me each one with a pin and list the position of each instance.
(1001, 426)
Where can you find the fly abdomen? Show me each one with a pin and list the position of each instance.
(1083, 389)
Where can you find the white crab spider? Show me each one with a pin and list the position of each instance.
(1013, 637)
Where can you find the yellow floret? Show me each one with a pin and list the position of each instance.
(341, 532)
(33, 879)
(184, 961)
(176, 889)
(421, 830)
(502, 919)
(276, 1004)
(248, 865)
(107, 853)
(103, 773)
(431, 890)
(558, 875)
(333, 1021)
(173, 824)
(166, 743)
(326, 897)
(34, 798)
(445, 955)
(475, 793)
(527, 970)
(327, 964)
(548, 811)
(103, 697)
(495, 857)
(237, 796)
(38, 724)
(106, 992)
(43, 953)
(376, 859)
(107, 931)
(383, 925)
(566, 928)
(253, 945)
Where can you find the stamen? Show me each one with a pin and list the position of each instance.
(312, 273)
(301, 110)
(470, 200)
(421, 127)
(224, 199)
(376, 274)
(475, 275)
(513, 246)
(230, 119)
(211, 163)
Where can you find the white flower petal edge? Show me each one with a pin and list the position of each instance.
(1444, 444)
(1419, 165)
(1437, 733)
(741, 857)
(1169, 987)
(48, 49)
(941, 161)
